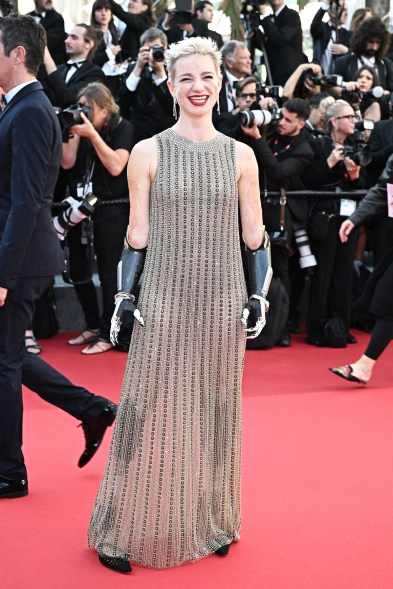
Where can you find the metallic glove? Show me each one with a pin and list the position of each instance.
(260, 274)
(129, 270)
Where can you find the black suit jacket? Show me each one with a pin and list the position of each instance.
(381, 148)
(62, 93)
(149, 107)
(283, 43)
(285, 169)
(53, 24)
(30, 140)
(321, 33)
(346, 66)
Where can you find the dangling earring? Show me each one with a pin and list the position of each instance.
(218, 106)
(174, 108)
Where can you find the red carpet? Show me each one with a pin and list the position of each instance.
(317, 482)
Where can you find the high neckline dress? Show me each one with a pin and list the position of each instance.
(170, 492)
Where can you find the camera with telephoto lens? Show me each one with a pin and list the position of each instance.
(326, 80)
(158, 53)
(71, 116)
(356, 96)
(76, 210)
(306, 257)
(262, 117)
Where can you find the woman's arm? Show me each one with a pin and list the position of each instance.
(249, 196)
(141, 172)
(69, 152)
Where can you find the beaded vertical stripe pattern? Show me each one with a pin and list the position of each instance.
(170, 493)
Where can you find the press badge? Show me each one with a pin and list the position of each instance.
(389, 190)
(347, 207)
(83, 189)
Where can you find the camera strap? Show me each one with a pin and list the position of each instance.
(283, 202)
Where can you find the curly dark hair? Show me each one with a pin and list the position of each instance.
(371, 28)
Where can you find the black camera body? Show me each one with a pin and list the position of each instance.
(280, 240)
(71, 116)
(326, 80)
(359, 153)
(274, 92)
(158, 53)
(183, 12)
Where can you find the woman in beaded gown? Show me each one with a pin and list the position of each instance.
(170, 492)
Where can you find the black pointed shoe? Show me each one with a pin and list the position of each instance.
(94, 431)
(116, 564)
(223, 550)
(13, 488)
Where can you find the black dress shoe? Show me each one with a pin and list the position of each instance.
(13, 488)
(94, 431)
(116, 564)
(223, 550)
(285, 340)
(351, 339)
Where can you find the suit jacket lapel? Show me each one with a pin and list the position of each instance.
(19, 96)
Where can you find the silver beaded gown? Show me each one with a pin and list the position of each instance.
(170, 492)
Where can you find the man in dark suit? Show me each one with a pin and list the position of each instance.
(53, 23)
(237, 64)
(64, 82)
(283, 41)
(144, 97)
(330, 39)
(369, 44)
(29, 249)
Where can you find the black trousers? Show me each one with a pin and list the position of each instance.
(331, 281)
(17, 366)
(108, 245)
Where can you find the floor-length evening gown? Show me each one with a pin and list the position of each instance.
(170, 492)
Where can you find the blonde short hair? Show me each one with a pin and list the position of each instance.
(191, 46)
(333, 111)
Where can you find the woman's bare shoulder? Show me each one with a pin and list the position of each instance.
(145, 148)
(245, 157)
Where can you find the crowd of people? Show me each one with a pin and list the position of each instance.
(209, 155)
(313, 126)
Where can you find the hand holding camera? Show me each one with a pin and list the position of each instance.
(84, 129)
(153, 56)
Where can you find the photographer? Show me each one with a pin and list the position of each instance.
(330, 39)
(108, 55)
(97, 152)
(247, 97)
(366, 96)
(144, 97)
(283, 40)
(137, 20)
(282, 160)
(300, 84)
(331, 283)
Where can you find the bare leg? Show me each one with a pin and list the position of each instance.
(362, 369)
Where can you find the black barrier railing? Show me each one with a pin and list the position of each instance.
(271, 194)
(315, 194)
